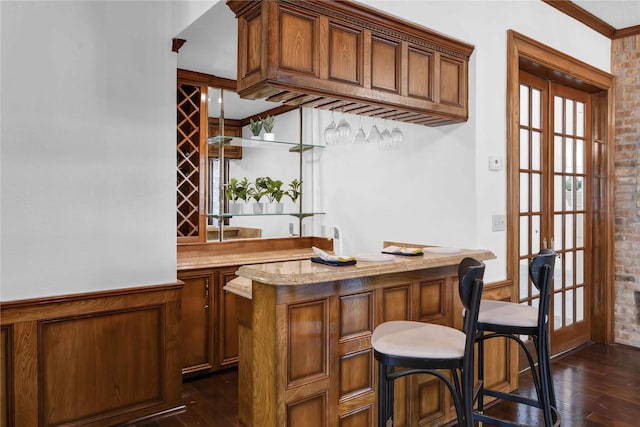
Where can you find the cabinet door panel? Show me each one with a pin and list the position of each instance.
(452, 78)
(309, 412)
(345, 54)
(227, 320)
(195, 326)
(396, 303)
(356, 374)
(298, 42)
(361, 418)
(420, 74)
(385, 59)
(434, 303)
(431, 398)
(252, 37)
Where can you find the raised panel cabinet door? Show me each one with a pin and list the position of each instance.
(453, 77)
(298, 42)
(345, 54)
(385, 64)
(196, 324)
(227, 320)
(420, 74)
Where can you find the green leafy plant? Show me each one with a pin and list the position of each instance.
(255, 127)
(275, 191)
(268, 123)
(230, 191)
(258, 189)
(294, 190)
(237, 190)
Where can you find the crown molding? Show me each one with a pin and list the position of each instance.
(592, 21)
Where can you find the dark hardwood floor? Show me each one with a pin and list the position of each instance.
(596, 386)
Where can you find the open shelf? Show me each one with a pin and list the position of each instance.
(233, 141)
(294, 214)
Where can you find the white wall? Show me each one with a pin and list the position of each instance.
(438, 189)
(88, 162)
(88, 147)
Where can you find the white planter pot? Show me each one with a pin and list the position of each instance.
(255, 137)
(269, 136)
(258, 208)
(235, 208)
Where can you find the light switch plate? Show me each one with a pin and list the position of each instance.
(496, 163)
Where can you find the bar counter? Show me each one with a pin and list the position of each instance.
(305, 338)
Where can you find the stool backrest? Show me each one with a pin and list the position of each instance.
(541, 273)
(536, 267)
(470, 283)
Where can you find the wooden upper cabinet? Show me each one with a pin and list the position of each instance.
(350, 57)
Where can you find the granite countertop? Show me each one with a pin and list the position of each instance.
(239, 286)
(291, 273)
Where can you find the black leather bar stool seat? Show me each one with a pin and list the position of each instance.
(407, 347)
(512, 320)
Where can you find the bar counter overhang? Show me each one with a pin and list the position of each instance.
(305, 356)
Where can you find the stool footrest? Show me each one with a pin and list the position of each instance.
(512, 397)
(494, 421)
(499, 422)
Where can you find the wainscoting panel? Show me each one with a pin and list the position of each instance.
(6, 397)
(94, 359)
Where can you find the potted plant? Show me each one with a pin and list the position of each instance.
(236, 192)
(294, 190)
(255, 128)
(232, 197)
(275, 194)
(267, 124)
(256, 192)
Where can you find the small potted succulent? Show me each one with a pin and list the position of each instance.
(267, 124)
(275, 194)
(256, 128)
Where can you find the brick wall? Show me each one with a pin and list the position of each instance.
(625, 65)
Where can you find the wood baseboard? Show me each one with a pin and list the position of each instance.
(96, 359)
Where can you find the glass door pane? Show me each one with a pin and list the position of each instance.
(553, 166)
(569, 226)
(531, 183)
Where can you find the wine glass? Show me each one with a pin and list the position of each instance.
(374, 134)
(330, 132)
(397, 136)
(385, 138)
(343, 131)
(360, 136)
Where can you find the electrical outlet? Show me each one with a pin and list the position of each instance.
(498, 223)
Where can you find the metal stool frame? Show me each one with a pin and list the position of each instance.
(470, 274)
(541, 273)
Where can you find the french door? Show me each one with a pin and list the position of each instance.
(554, 175)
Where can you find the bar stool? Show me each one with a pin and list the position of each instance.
(417, 347)
(512, 320)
